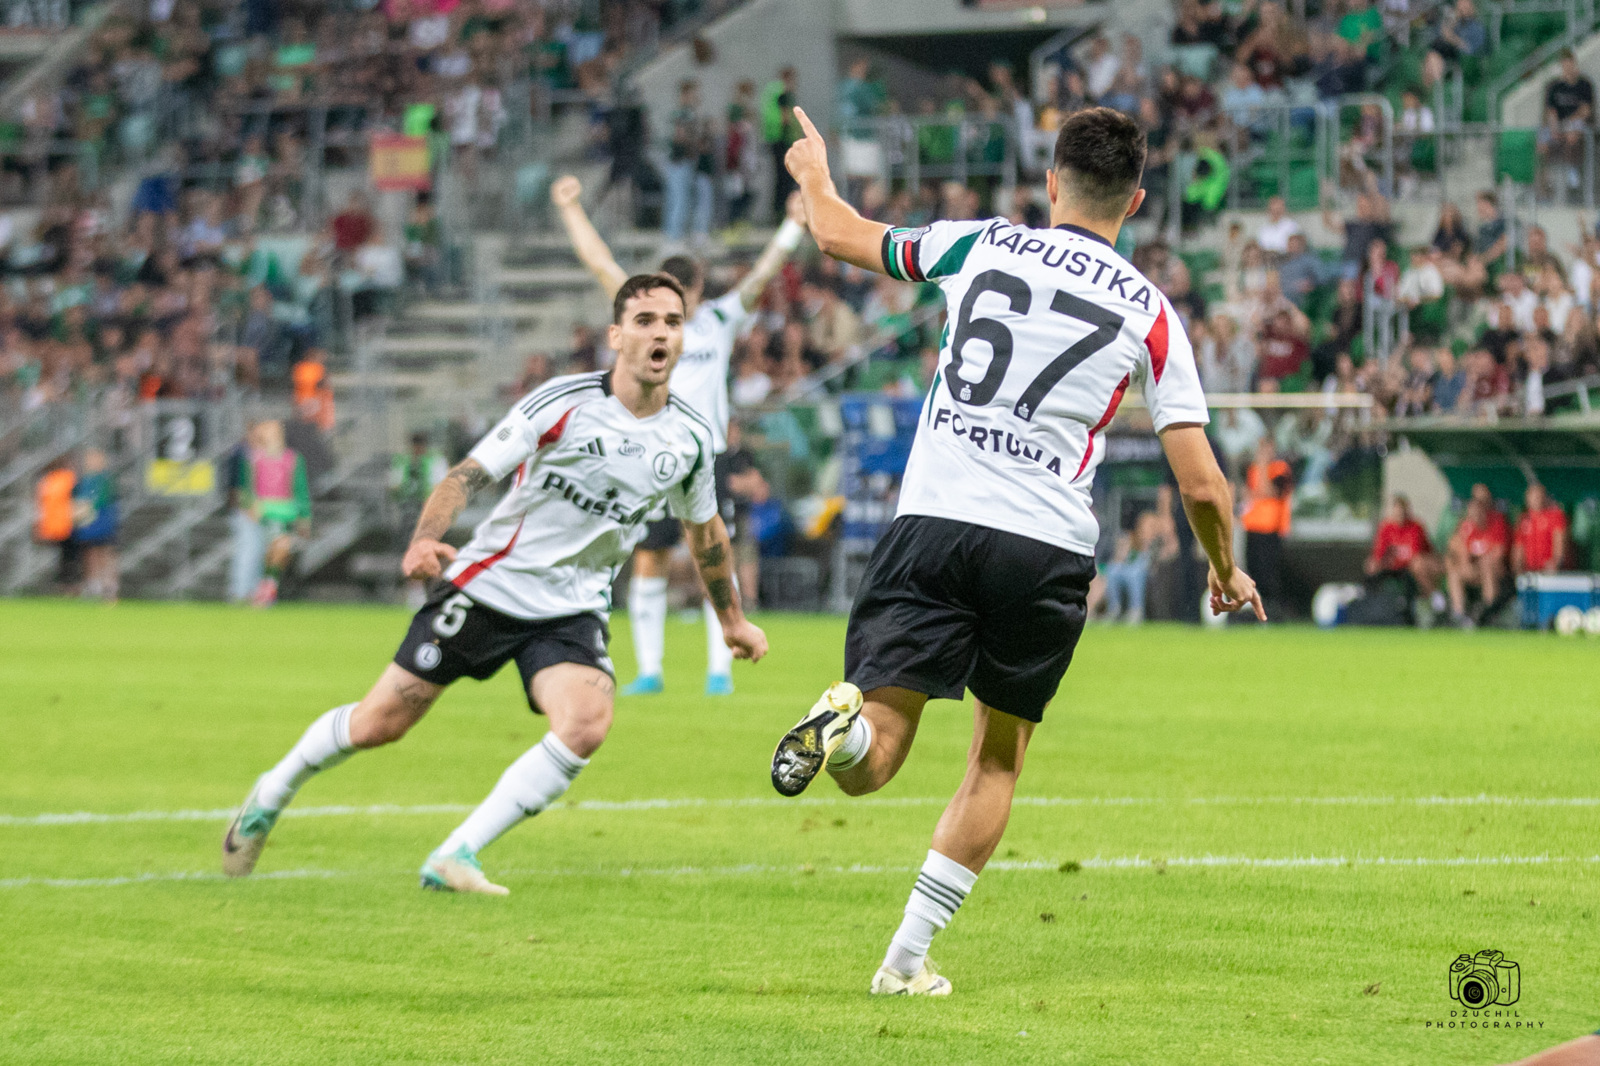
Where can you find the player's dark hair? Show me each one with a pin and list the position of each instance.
(638, 285)
(685, 269)
(1100, 157)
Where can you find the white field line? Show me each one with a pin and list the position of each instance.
(386, 809)
(1122, 862)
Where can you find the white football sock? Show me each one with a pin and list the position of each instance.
(647, 611)
(528, 786)
(325, 745)
(940, 888)
(856, 744)
(719, 657)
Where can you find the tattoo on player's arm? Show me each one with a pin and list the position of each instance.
(414, 695)
(720, 589)
(449, 497)
(712, 557)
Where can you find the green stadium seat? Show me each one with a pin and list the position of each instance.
(1424, 151)
(1200, 261)
(1516, 155)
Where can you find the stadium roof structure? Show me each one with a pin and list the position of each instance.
(1561, 451)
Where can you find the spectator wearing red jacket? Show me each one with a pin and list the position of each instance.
(1541, 540)
(1402, 547)
(1476, 556)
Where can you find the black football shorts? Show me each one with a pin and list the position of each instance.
(454, 636)
(946, 606)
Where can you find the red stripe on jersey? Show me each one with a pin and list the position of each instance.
(461, 580)
(1105, 419)
(553, 434)
(1156, 342)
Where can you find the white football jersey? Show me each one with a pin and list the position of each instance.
(587, 475)
(1048, 328)
(701, 376)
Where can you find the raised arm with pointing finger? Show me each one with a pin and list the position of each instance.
(838, 228)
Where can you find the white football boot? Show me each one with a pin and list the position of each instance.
(458, 871)
(924, 982)
(805, 749)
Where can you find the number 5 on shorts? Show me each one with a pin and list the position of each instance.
(452, 615)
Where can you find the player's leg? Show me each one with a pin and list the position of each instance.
(910, 639)
(394, 704)
(719, 657)
(968, 832)
(1030, 602)
(568, 678)
(878, 741)
(647, 606)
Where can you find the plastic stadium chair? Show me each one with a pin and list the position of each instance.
(1516, 155)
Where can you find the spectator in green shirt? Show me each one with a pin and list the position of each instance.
(1362, 25)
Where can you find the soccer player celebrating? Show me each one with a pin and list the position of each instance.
(593, 454)
(702, 381)
(981, 581)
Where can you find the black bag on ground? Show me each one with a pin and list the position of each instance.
(1379, 607)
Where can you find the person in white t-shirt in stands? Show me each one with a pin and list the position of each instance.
(1274, 234)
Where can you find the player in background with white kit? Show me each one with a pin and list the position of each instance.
(593, 455)
(701, 380)
(982, 579)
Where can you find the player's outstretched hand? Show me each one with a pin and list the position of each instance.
(565, 191)
(746, 639)
(807, 158)
(426, 559)
(1235, 594)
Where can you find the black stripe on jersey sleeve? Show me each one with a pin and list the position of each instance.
(531, 409)
(536, 399)
(692, 413)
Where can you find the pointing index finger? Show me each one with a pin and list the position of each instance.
(806, 124)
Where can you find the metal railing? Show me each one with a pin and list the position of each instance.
(1580, 21)
(938, 147)
(817, 382)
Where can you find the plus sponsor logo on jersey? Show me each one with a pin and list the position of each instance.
(1079, 263)
(604, 506)
(988, 439)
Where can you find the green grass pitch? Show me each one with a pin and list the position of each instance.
(731, 927)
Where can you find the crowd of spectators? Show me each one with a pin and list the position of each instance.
(194, 286)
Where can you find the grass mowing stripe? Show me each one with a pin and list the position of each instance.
(1122, 862)
(384, 809)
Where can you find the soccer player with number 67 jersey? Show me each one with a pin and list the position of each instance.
(593, 455)
(982, 579)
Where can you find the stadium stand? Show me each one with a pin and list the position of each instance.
(212, 204)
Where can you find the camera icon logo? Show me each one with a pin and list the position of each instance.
(1487, 979)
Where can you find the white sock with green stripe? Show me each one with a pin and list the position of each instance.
(325, 745)
(941, 887)
(528, 786)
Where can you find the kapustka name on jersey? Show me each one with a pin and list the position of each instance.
(1079, 263)
(605, 506)
(998, 441)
